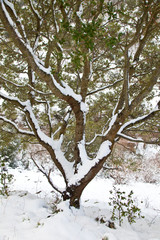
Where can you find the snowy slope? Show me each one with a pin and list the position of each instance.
(27, 213)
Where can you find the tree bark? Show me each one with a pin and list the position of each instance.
(73, 193)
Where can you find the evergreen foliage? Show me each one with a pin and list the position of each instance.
(5, 177)
(124, 206)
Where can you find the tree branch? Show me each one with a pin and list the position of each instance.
(147, 31)
(49, 119)
(39, 23)
(138, 120)
(137, 140)
(143, 94)
(85, 78)
(105, 87)
(124, 97)
(62, 91)
(44, 140)
(13, 15)
(47, 175)
(16, 127)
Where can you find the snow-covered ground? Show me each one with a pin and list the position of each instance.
(27, 214)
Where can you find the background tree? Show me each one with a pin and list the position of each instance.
(76, 76)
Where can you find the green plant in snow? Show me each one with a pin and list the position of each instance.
(105, 238)
(5, 178)
(124, 206)
(39, 224)
(9, 153)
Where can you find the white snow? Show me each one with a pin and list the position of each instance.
(10, 19)
(54, 144)
(104, 149)
(113, 119)
(36, 12)
(80, 12)
(16, 127)
(87, 163)
(83, 153)
(66, 89)
(84, 107)
(59, 45)
(27, 215)
(134, 121)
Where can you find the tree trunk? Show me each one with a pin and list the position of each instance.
(73, 194)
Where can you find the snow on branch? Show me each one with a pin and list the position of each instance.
(26, 106)
(2, 78)
(16, 127)
(39, 92)
(103, 88)
(137, 139)
(24, 86)
(62, 90)
(20, 28)
(88, 164)
(15, 100)
(8, 81)
(138, 120)
(61, 129)
(39, 24)
(48, 142)
(34, 10)
(79, 12)
(94, 138)
(55, 145)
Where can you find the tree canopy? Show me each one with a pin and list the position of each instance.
(77, 75)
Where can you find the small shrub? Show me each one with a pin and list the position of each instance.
(105, 238)
(101, 220)
(39, 224)
(57, 200)
(8, 154)
(5, 179)
(123, 206)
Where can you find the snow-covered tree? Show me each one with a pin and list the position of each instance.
(76, 75)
